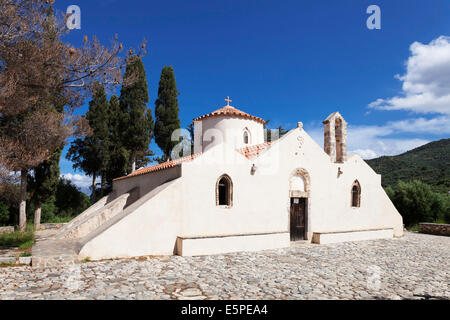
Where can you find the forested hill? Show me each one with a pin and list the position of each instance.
(429, 163)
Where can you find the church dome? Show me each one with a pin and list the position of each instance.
(227, 125)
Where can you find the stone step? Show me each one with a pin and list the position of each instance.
(7, 260)
(52, 253)
(24, 260)
(354, 235)
(215, 244)
(15, 260)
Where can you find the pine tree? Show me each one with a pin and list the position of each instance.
(166, 111)
(35, 61)
(137, 121)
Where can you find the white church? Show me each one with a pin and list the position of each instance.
(240, 193)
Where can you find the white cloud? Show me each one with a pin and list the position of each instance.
(426, 84)
(81, 181)
(366, 153)
(376, 147)
(438, 125)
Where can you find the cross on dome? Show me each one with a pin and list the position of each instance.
(228, 100)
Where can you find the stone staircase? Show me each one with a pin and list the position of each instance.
(98, 205)
(61, 247)
(89, 222)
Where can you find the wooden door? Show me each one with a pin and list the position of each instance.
(298, 219)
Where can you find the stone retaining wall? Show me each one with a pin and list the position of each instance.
(54, 261)
(46, 226)
(435, 228)
(6, 229)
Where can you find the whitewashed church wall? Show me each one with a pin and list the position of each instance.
(301, 152)
(145, 182)
(261, 202)
(250, 202)
(150, 229)
(375, 211)
(330, 194)
(390, 214)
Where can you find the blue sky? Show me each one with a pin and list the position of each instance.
(291, 61)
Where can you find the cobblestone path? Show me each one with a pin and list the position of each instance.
(416, 266)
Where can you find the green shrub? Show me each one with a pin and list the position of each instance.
(17, 239)
(444, 216)
(26, 245)
(67, 203)
(10, 196)
(49, 212)
(414, 228)
(416, 202)
(69, 200)
(6, 264)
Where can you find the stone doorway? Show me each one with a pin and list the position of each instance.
(298, 219)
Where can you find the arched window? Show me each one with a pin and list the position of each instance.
(245, 137)
(356, 194)
(224, 191)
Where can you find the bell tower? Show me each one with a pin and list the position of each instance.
(335, 137)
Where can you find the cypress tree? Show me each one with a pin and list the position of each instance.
(118, 155)
(166, 112)
(91, 153)
(268, 132)
(137, 121)
(97, 116)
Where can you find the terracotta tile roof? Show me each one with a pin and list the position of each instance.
(230, 111)
(161, 166)
(254, 151)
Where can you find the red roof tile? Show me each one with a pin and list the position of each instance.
(161, 166)
(230, 111)
(254, 151)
